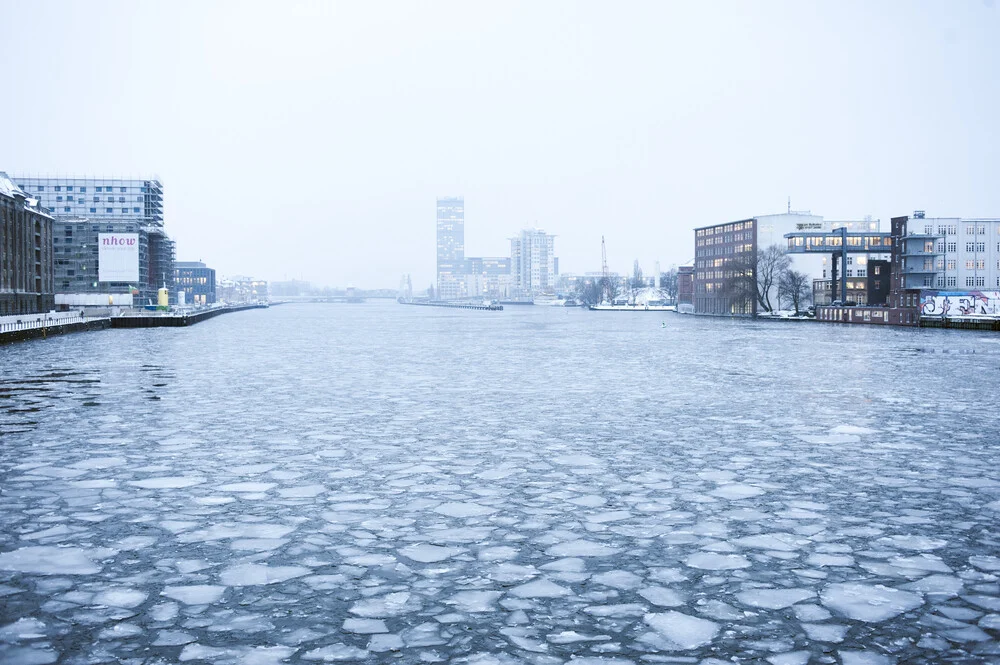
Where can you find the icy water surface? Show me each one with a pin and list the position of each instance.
(378, 483)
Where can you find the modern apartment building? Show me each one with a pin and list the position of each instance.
(112, 202)
(533, 265)
(451, 248)
(98, 197)
(76, 258)
(196, 281)
(26, 285)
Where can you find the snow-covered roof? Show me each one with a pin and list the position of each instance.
(8, 186)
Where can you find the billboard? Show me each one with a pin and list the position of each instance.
(118, 257)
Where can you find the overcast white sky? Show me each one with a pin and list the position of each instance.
(310, 140)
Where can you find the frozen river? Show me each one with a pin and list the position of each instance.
(378, 483)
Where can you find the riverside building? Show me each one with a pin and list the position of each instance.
(196, 281)
(111, 202)
(533, 264)
(92, 197)
(725, 259)
(451, 282)
(26, 281)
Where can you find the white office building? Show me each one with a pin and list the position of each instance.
(533, 264)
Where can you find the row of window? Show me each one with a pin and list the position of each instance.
(107, 210)
(725, 228)
(952, 229)
(97, 199)
(82, 189)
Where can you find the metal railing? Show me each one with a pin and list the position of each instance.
(16, 322)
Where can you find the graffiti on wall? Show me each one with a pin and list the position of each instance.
(960, 303)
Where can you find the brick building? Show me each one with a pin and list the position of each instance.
(26, 284)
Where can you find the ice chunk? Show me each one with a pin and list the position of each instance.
(715, 561)
(364, 626)
(774, 599)
(336, 652)
(574, 548)
(427, 553)
(866, 602)
(789, 658)
(737, 491)
(990, 563)
(475, 601)
(539, 589)
(865, 658)
(169, 483)
(780, 542)
(389, 605)
(619, 579)
(466, 509)
(248, 574)
(919, 543)
(683, 631)
(662, 596)
(571, 636)
(247, 487)
(196, 594)
(499, 553)
(46, 560)
(120, 598)
(937, 585)
(28, 656)
(825, 632)
(22, 629)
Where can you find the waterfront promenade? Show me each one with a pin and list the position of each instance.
(23, 327)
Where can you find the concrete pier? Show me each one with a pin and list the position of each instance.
(455, 305)
(174, 320)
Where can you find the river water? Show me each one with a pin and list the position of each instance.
(380, 483)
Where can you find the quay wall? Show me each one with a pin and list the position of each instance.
(14, 334)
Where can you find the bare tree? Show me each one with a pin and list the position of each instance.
(794, 288)
(668, 283)
(610, 286)
(636, 283)
(589, 292)
(771, 263)
(739, 287)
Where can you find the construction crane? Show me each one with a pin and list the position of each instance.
(605, 282)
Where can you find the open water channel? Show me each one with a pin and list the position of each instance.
(379, 483)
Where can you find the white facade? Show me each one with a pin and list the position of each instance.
(771, 230)
(533, 263)
(951, 253)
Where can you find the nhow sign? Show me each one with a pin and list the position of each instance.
(118, 257)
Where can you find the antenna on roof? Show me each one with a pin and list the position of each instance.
(789, 205)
